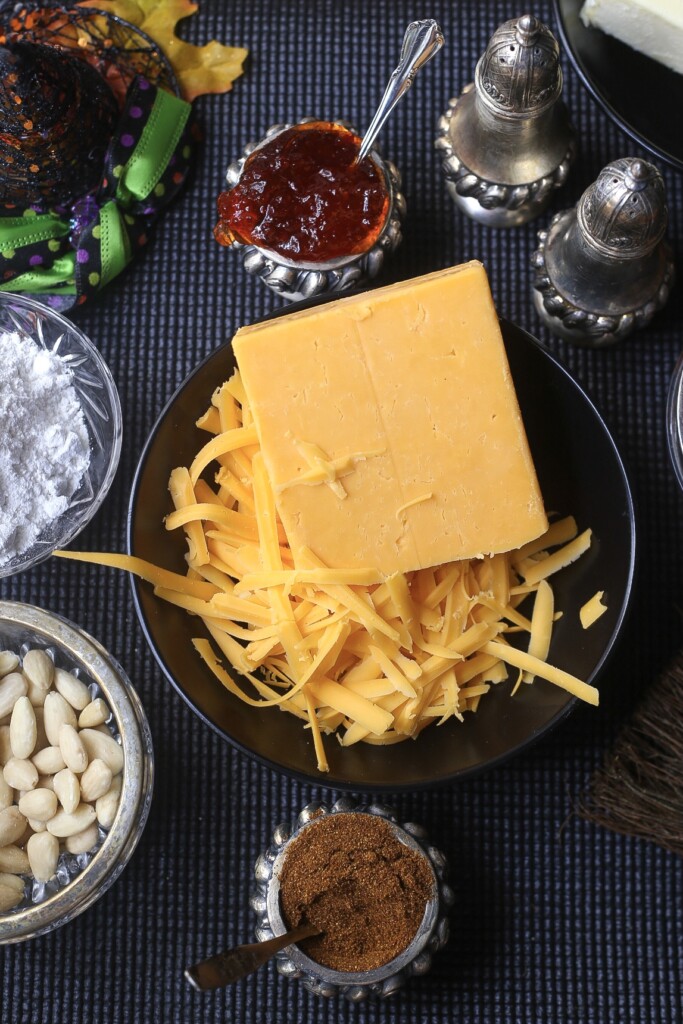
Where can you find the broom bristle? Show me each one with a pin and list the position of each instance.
(639, 790)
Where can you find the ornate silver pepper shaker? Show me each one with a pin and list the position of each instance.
(603, 268)
(506, 141)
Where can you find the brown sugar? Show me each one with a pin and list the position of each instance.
(350, 876)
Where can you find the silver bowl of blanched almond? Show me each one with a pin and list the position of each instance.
(76, 770)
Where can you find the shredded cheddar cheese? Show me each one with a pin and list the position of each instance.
(409, 504)
(346, 651)
(591, 611)
(323, 470)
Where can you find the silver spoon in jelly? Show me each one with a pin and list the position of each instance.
(422, 40)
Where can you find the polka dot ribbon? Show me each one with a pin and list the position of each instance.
(65, 256)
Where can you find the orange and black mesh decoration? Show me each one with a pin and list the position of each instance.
(57, 117)
(94, 145)
(116, 49)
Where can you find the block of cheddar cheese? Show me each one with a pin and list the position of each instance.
(390, 427)
(654, 27)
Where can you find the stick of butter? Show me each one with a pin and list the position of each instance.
(654, 27)
(390, 427)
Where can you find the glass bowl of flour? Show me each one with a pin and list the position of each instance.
(61, 428)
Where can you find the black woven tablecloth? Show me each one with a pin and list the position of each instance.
(555, 920)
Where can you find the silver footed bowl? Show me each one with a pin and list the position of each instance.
(296, 280)
(292, 962)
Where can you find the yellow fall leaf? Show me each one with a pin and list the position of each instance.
(199, 69)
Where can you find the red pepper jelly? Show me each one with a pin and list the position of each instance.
(302, 196)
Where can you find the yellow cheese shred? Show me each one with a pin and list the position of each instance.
(221, 444)
(560, 559)
(374, 660)
(591, 611)
(323, 470)
(352, 705)
(291, 577)
(523, 660)
(414, 501)
(541, 626)
(183, 496)
(147, 571)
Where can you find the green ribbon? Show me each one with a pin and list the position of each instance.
(114, 244)
(161, 134)
(54, 280)
(16, 232)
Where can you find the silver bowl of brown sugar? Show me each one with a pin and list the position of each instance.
(375, 889)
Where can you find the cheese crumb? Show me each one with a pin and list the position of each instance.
(591, 611)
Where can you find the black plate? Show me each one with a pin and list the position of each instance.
(580, 472)
(641, 95)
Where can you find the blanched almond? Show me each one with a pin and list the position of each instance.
(107, 805)
(104, 746)
(83, 841)
(41, 737)
(95, 781)
(72, 689)
(6, 793)
(13, 860)
(40, 804)
(56, 714)
(22, 728)
(49, 760)
(9, 662)
(35, 694)
(43, 854)
(34, 826)
(68, 789)
(11, 891)
(72, 748)
(25, 835)
(5, 745)
(12, 825)
(20, 773)
(63, 824)
(39, 668)
(12, 687)
(96, 713)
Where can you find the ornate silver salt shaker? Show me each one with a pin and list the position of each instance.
(292, 962)
(603, 268)
(506, 142)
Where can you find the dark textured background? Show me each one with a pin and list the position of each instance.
(555, 920)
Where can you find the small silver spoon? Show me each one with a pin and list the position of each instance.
(422, 40)
(236, 963)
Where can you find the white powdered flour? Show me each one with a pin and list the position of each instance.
(44, 448)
